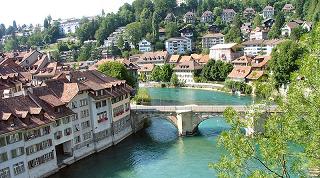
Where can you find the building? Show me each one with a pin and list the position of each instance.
(174, 59)
(259, 34)
(145, 46)
(213, 28)
(113, 37)
(146, 70)
(162, 34)
(267, 23)
(239, 73)
(244, 60)
(212, 39)
(287, 8)
(66, 119)
(189, 17)
(187, 31)
(228, 15)
(225, 52)
(179, 2)
(69, 25)
(268, 12)
(249, 13)
(185, 71)
(170, 17)
(260, 47)
(207, 17)
(288, 27)
(307, 25)
(157, 58)
(178, 45)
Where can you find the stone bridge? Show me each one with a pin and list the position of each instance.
(185, 118)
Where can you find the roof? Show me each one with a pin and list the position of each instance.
(254, 75)
(224, 46)
(153, 56)
(260, 61)
(188, 65)
(213, 35)
(240, 72)
(170, 16)
(262, 42)
(288, 7)
(204, 59)
(207, 13)
(268, 8)
(188, 14)
(174, 59)
(146, 68)
(292, 25)
(186, 59)
(178, 38)
(228, 11)
(243, 60)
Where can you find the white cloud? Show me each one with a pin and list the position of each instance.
(34, 11)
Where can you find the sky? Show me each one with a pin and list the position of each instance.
(34, 11)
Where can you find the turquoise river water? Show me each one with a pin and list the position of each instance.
(157, 151)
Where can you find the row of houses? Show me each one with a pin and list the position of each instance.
(68, 116)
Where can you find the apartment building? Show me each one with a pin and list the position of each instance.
(260, 47)
(228, 15)
(185, 71)
(62, 121)
(268, 12)
(212, 39)
(178, 45)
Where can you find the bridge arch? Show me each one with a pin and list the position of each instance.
(170, 117)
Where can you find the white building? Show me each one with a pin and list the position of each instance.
(178, 45)
(113, 37)
(288, 27)
(179, 2)
(185, 71)
(225, 52)
(260, 47)
(145, 46)
(259, 34)
(212, 39)
(69, 25)
(268, 12)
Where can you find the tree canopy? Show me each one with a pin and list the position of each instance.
(116, 70)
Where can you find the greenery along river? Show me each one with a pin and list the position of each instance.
(157, 151)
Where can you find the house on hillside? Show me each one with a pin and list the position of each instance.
(267, 23)
(288, 27)
(268, 12)
(213, 28)
(189, 17)
(187, 31)
(307, 25)
(178, 45)
(157, 58)
(145, 46)
(207, 17)
(287, 8)
(225, 52)
(259, 34)
(260, 47)
(249, 13)
(170, 17)
(212, 39)
(146, 70)
(239, 73)
(185, 71)
(228, 15)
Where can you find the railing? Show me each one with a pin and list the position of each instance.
(208, 108)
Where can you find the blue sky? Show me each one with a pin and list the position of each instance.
(34, 11)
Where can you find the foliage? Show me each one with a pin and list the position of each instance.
(142, 97)
(238, 86)
(89, 52)
(257, 21)
(275, 31)
(156, 74)
(133, 33)
(166, 73)
(116, 70)
(234, 34)
(216, 70)
(172, 30)
(285, 61)
(174, 80)
(297, 33)
(11, 44)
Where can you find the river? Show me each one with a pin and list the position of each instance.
(157, 151)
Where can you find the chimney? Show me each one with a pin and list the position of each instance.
(68, 76)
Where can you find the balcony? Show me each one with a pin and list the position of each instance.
(102, 120)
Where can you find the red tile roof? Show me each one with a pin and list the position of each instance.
(240, 72)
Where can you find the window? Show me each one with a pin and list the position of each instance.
(5, 173)
(98, 105)
(74, 104)
(66, 120)
(83, 102)
(40, 160)
(104, 103)
(2, 141)
(85, 125)
(14, 138)
(67, 132)
(3, 157)
(46, 130)
(102, 116)
(86, 135)
(84, 113)
(76, 128)
(18, 168)
(57, 123)
(77, 139)
(58, 135)
(17, 152)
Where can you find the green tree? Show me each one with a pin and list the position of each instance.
(45, 23)
(297, 32)
(156, 74)
(285, 61)
(172, 30)
(284, 144)
(257, 21)
(2, 30)
(133, 33)
(166, 72)
(234, 34)
(85, 52)
(116, 70)
(275, 31)
(62, 46)
(174, 80)
(11, 44)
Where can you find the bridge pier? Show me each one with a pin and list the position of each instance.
(185, 123)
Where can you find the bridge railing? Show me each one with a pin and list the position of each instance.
(188, 108)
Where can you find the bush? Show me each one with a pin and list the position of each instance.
(238, 86)
(142, 97)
